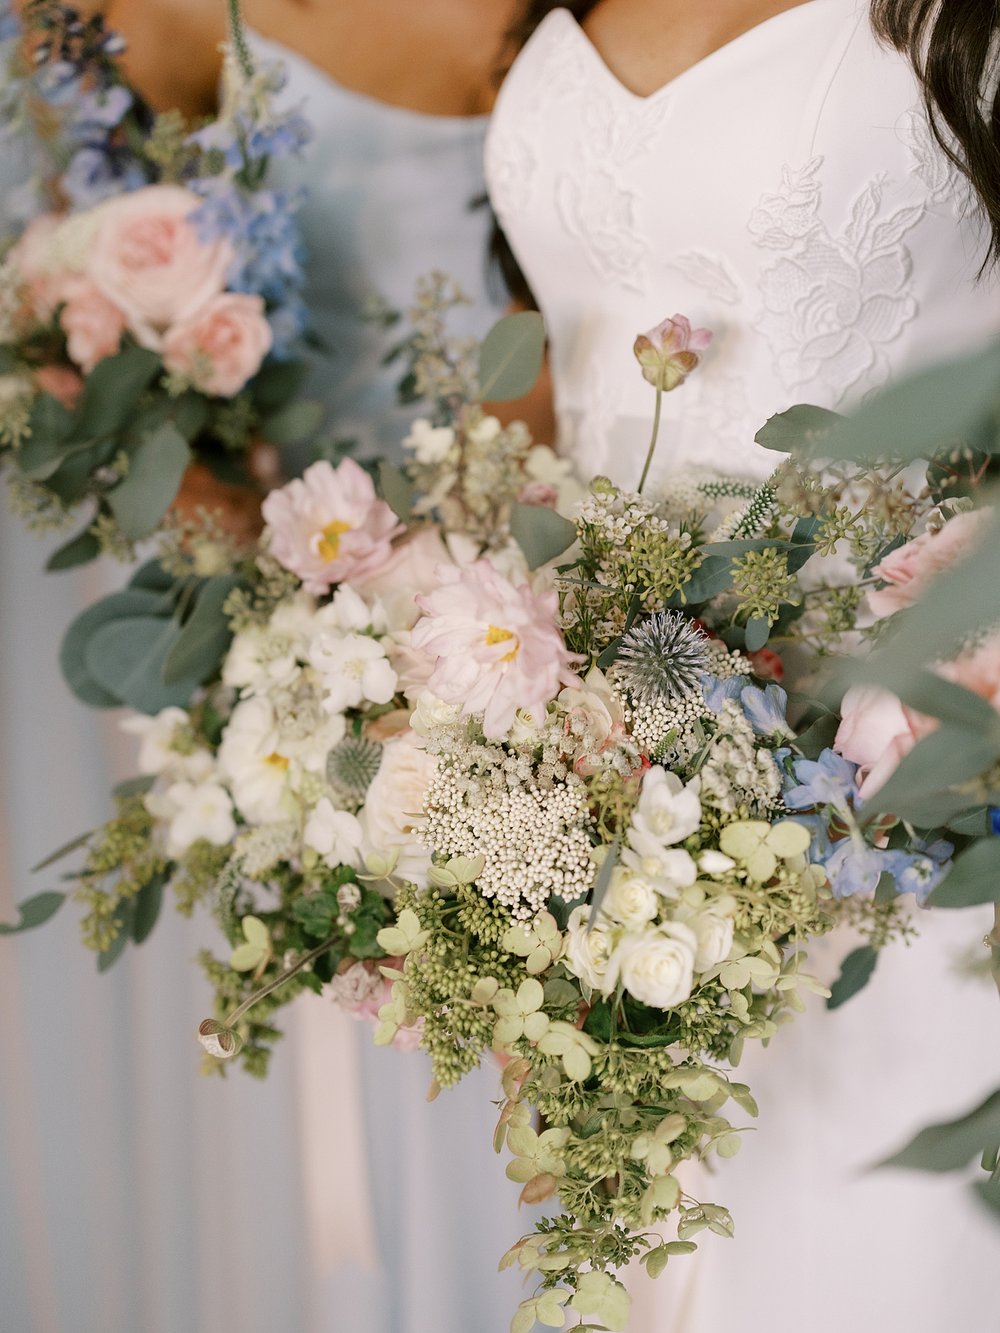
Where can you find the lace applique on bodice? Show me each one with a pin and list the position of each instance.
(786, 192)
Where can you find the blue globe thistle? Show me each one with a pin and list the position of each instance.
(664, 658)
(351, 766)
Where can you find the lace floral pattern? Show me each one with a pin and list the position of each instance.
(833, 303)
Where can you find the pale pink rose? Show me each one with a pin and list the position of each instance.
(330, 525)
(221, 348)
(62, 383)
(876, 732)
(408, 571)
(497, 646)
(909, 569)
(148, 259)
(93, 325)
(977, 670)
(670, 352)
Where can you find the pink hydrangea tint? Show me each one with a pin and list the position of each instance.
(670, 352)
(330, 525)
(497, 647)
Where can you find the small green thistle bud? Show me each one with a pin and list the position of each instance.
(662, 658)
(351, 766)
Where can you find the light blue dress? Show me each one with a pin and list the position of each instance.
(136, 1197)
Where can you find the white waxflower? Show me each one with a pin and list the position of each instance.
(354, 667)
(156, 736)
(430, 444)
(202, 810)
(657, 967)
(630, 899)
(588, 951)
(335, 834)
(667, 811)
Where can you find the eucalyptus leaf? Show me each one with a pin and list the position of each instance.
(973, 878)
(72, 481)
(296, 423)
(146, 910)
(78, 551)
(757, 633)
(801, 426)
(974, 823)
(148, 489)
(712, 577)
(109, 956)
(72, 653)
(947, 756)
(206, 636)
(127, 658)
(511, 355)
(932, 694)
(276, 383)
(137, 786)
(855, 973)
(34, 911)
(396, 489)
(818, 737)
(153, 576)
(113, 388)
(952, 1144)
(80, 840)
(919, 415)
(541, 533)
(603, 880)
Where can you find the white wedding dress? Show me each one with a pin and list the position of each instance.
(786, 193)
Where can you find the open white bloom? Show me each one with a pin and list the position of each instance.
(431, 712)
(670, 868)
(544, 467)
(712, 925)
(658, 966)
(268, 656)
(485, 431)
(349, 612)
(335, 834)
(667, 811)
(203, 810)
(250, 760)
(394, 807)
(711, 862)
(430, 444)
(630, 899)
(354, 668)
(156, 737)
(588, 951)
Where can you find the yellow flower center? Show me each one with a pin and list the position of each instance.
(277, 760)
(496, 635)
(328, 546)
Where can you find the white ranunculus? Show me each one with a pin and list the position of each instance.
(630, 899)
(203, 810)
(156, 735)
(657, 967)
(588, 951)
(335, 834)
(667, 811)
(394, 807)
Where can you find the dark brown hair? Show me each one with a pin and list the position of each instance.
(954, 47)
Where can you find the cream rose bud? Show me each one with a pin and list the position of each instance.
(431, 712)
(713, 930)
(587, 951)
(221, 348)
(394, 807)
(630, 899)
(658, 966)
(148, 259)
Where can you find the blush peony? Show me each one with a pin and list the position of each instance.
(148, 259)
(497, 647)
(330, 525)
(221, 348)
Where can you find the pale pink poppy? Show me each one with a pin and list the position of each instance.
(330, 525)
(497, 646)
(670, 352)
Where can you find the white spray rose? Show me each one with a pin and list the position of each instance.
(630, 899)
(658, 967)
(587, 951)
(394, 807)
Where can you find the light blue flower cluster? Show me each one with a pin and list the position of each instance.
(827, 788)
(763, 708)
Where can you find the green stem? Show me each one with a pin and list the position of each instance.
(652, 442)
(237, 35)
(279, 980)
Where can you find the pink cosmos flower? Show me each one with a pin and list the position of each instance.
(330, 525)
(497, 647)
(670, 352)
(909, 569)
(93, 325)
(148, 259)
(221, 347)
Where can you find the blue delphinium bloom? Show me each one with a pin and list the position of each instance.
(829, 780)
(719, 692)
(855, 867)
(921, 870)
(94, 175)
(765, 709)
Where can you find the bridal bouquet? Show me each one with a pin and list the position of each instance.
(149, 310)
